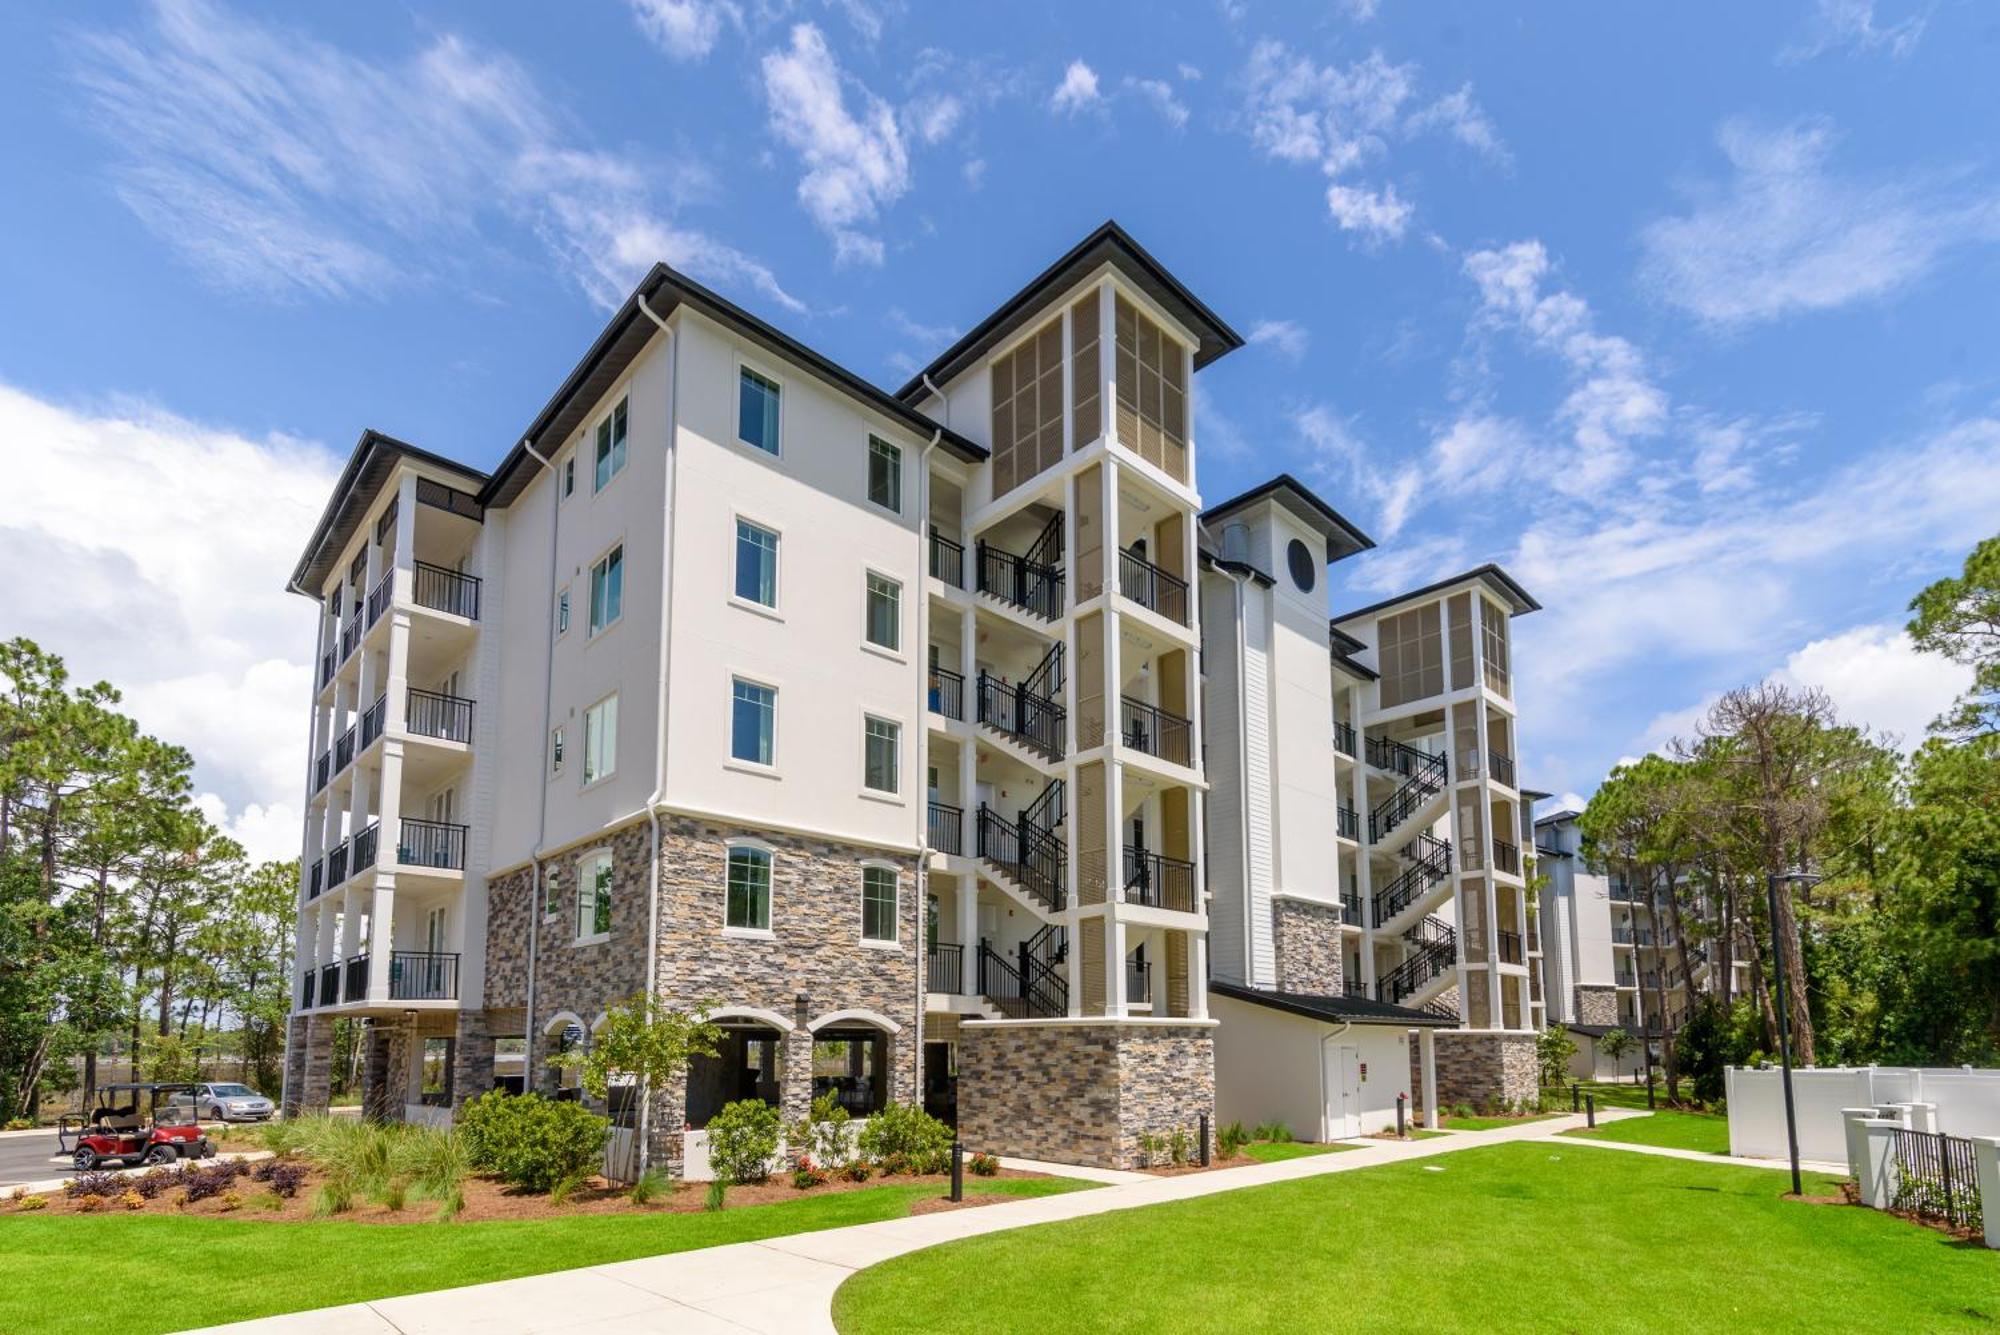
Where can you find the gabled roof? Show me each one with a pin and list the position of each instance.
(1334, 1010)
(1109, 244)
(630, 329)
(374, 459)
(1342, 538)
(1496, 579)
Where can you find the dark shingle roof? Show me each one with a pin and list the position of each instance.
(1334, 1010)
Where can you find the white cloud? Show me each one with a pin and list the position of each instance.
(685, 29)
(974, 172)
(1077, 91)
(163, 546)
(278, 165)
(1786, 235)
(1377, 214)
(1876, 676)
(1478, 453)
(1287, 338)
(1189, 73)
(1850, 24)
(934, 118)
(855, 161)
(1342, 458)
(1460, 116)
(1160, 95)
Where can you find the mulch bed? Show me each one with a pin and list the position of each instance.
(488, 1199)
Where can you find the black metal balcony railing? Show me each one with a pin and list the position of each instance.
(372, 721)
(444, 590)
(1506, 857)
(1624, 979)
(1036, 721)
(1350, 906)
(1501, 767)
(423, 975)
(1430, 862)
(326, 667)
(1022, 987)
(1621, 936)
(350, 638)
(1149, 728)
(435, 714)
(1036, 860)
(1348, 822)
(1153, 588)
(1343, 738)
(306, 989)
(381, 596)
(1396, 757)
(1138, 983)
(329, 985)
(947, 560)
(364, 844)
(336, 867)
(944, 967)
(946, 830)
(1028, 585)
(1158, 881)
(322, 770)
(1510, 947)
(947, 693)
(343, 750)
(316, 878)
(355, 988)
(431, 843)
(1424, 783)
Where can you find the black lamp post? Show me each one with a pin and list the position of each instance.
(1784, 1013)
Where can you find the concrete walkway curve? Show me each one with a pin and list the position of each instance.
(785, 1285)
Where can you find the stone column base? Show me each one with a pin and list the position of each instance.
(1484, 1068)
(1596, 1004)
(1082, 1091)
(471, 1058)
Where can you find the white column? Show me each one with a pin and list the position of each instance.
(1198, 975)
(1114, 966)
(1879, 1176)
(968, 933)
(1986, 1155)
(1427, 1058)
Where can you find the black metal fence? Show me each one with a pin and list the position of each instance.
(1937, 1177)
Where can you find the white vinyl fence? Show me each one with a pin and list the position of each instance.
(1959, 1101)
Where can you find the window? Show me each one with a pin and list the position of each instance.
(1493, 635)
(593, 896)
(885, 612)
(756, 564)
(607, 589)
(569, 477)
(1152, 391)
(556, 751)
(880, 741)
(562, 611)
(885, 474)
(611, 446)
(878, 904)
(757, 411)
(600, 739)
(1299, 560)
(1086, 410)
(752, 722)
(749, 904)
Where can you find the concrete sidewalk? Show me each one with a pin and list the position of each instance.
(785, 1285)
(1703, 1156)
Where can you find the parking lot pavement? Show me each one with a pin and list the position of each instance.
(30, 1158)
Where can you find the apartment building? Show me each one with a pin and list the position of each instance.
(868, 721)
(1366, 885)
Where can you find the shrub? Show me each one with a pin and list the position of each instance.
(209, 1179)
(892, 1165)
(268, 1200)
(808, 1174)
(905, 1129)
(652, 1185)
(1276, 1132)
(531, 1141)
(93, 1184)
(983, 1165)
(394, 1195)
(283, 1176)
(132, 1200)
(1177, 1145)
(32, 1202)
(1229, 1141)
(232, 1200)
(857, 1171)
(92, 1203)
(566, 1186)
(718, 1192)
(826, 1133)
(436, 1163)
(742, 1139)
(19, 1124)
(153, 1181)
(335, 1196)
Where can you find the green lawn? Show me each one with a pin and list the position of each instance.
(142, 1273)
(1452, 1123)
(1678, 1130)
(1671, 1244)
(1272, 1151)
(1610, 1094)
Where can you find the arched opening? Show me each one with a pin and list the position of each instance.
(851, 1062)
(749, 1064)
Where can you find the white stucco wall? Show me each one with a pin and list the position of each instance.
(1269, 1064)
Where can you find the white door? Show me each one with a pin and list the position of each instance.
(1342, 1072)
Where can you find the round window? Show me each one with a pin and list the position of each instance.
(1300, 558)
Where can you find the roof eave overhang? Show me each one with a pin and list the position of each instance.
(1519, 601)
(374, 456)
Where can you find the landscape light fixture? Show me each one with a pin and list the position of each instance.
(1784, 1014)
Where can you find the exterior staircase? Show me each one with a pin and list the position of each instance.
(1412, 893)
(1027, 982)
(1424, 778)
(1028, 716)
(1030, 582)
(1429, 968)
(1027, 856)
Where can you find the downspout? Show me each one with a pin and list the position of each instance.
(660, 740)
(539, 891)
(1324, 1040)
(924, 808)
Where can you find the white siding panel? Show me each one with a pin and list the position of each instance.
(1257, 782)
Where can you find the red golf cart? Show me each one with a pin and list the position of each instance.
(135, 1124)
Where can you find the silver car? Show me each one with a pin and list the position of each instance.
(228, 1103)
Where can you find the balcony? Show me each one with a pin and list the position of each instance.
(372, 721)
(1501, 767)
(350, 638)
(446, 591)
(1159, 882)
(364, 845)
(421, 975)
(1506, 857)
(356, 986)
(336, 866)
(947, 693)
(1350, 907)
(1032, 586)
(1510, 947)
(380, 597)
(343, 750)
(329, 985)
(1153, 588)
(1621, 936)
(946, 829)
(327, 665)
(1138, 983)
(316, 878)
(1149, 728)
(435, 714)
(1347, 822)
(306, 989)
(944, 966)
(1343, 738)
(322, 770)
(947, 560)
(1036, 721)
(428, 843)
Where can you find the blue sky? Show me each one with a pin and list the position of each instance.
(1684, 315)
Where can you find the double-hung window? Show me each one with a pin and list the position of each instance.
(885, 474)
(569, 476)
(600, 739)
(756, 564)
(757, 411)
(607, 589)
(593, 896)
(562, 611)
(878, 904)
(881, 740)
(885, 612)
(749, 893)
(610, 446)
(753, 717)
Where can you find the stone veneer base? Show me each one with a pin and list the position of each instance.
(1481, 1067)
